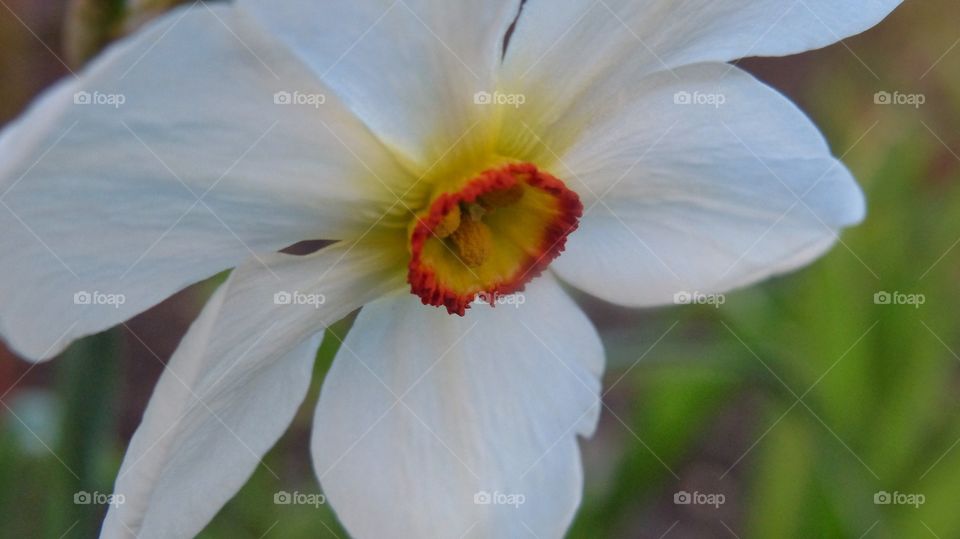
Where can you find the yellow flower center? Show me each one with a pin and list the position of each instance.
(490, 236)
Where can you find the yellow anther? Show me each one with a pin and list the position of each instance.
(474, 242)
(449, 224)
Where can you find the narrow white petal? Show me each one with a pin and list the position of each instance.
(234, 384)
(166, 161)
(423, 415)
(700, 196)
(408, 68)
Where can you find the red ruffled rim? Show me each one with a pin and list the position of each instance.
(423, 279)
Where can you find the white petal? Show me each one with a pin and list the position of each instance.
(234, 384)
(409, 68)
(698, 197)
(423, 411)
(649, 35)
(197, 168)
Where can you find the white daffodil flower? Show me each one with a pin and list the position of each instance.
(452, 149)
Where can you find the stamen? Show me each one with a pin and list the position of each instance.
(474, 242)
(449, 224)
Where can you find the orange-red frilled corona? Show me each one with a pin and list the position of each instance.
(501, 229)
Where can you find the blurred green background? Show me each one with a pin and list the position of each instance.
(802, 401)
